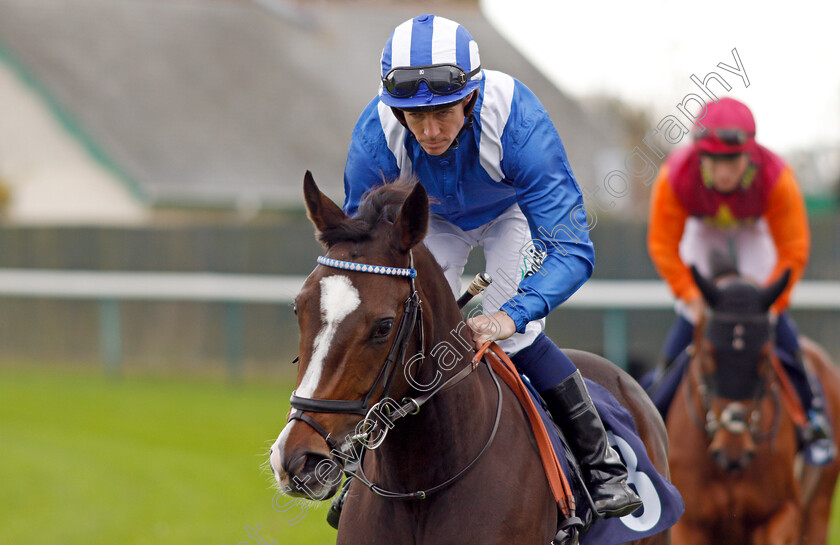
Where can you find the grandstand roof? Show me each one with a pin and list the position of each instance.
(228, 103)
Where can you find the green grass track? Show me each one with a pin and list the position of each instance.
(87, 460)
(148, 461)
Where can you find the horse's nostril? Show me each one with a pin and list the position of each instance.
(720, 459)
(296, 464)
(313, 475)
(747, 458)
(312, 462)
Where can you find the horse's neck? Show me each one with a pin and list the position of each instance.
(449, 345)
(428, 448)
(452, 426)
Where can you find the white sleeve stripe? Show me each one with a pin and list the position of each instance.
(394, 137)
(443, 41)
(495, 110)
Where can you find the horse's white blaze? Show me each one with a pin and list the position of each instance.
(276, 452)
(338, 299)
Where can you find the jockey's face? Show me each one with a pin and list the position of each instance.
(436, 130)
(725, 171)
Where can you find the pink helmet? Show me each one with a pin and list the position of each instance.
(729, 128)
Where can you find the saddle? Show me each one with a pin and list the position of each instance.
(662, 503)
(578, 521)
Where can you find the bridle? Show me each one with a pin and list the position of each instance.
(737, 417)
(412, 313)
(412, 317)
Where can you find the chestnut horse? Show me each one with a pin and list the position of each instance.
(733, 441)
(466, 467)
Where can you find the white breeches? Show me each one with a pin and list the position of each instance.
(751, 246)
(504, 240)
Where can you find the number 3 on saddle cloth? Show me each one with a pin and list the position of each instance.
(662, 504)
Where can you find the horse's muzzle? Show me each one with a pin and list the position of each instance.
(303, 470)
(731, 462)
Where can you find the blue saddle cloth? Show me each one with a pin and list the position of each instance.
(662, 386)
(662, 503)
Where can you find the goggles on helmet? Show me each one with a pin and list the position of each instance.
(441, 79)
(728, 137)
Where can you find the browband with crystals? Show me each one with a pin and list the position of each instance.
(362, 267)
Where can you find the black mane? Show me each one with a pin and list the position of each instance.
(379, 204)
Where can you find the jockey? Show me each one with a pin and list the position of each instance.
(498, 177)
(728, 194)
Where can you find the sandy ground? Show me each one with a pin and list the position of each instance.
(50, 176)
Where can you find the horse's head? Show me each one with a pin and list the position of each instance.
(733, 347)
(358, 313)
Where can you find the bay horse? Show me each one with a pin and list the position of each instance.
(466, 466)
(733, 440)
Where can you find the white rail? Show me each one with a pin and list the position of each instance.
(613, 297)
(245, 288)
(158, 286)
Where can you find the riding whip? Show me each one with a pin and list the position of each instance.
(478, 284)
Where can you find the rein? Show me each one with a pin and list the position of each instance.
(423, 494)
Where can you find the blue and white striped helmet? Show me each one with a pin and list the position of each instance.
(430, 40)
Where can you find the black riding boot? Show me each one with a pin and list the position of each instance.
(606, 476)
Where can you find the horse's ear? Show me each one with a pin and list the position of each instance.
(710, 292)
(413, 220)
(774, 290)
(322, 212)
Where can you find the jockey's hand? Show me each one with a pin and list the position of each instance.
(495, 327)
(696, 308)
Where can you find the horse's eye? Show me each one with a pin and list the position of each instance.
(294, 308)
(383, 328)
